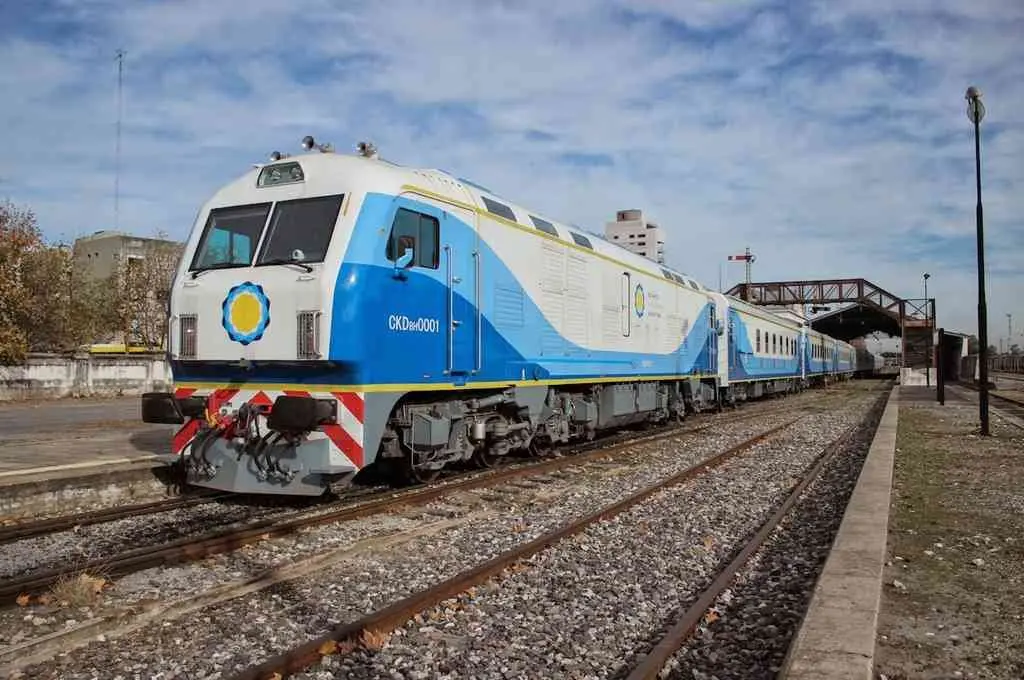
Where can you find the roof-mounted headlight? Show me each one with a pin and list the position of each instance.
(280, 173)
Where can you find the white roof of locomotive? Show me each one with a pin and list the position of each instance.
(324, 172)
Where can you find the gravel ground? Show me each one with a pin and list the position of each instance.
(953, 587)
(760, 613)
(73, 547)
(243, 631)
(587, 605)
(236, 633)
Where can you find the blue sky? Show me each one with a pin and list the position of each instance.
(830, 137)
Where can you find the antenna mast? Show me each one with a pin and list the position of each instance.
(119, 56)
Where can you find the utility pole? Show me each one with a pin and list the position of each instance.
(119, 56)
(1009, 332)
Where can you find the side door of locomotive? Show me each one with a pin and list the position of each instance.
(443, 307)
(415, 299)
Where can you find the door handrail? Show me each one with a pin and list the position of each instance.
(451, 310)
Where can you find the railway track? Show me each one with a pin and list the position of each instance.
(1013, 407)
(651, 664)
(348, 637)
(192, 548)
(23, 530)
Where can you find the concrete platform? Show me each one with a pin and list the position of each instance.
(50, 437)
(62, 453)
(837, 637)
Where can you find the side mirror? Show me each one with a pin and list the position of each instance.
(404, 261)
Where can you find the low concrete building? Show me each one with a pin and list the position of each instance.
(104, 251)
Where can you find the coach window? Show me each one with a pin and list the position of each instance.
(301, 230)
(419, 231)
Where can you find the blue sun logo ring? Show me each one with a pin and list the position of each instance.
(246, 312)
(639, 303)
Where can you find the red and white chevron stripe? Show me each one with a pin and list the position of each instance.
(346, 436)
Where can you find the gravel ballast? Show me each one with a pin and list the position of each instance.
(760, 613)
(475, 526)
(585, 607)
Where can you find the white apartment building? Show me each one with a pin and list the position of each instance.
(631, 231)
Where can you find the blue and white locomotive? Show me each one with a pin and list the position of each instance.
(334, 311)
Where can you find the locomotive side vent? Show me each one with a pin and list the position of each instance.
(187, 336)
(308, 335)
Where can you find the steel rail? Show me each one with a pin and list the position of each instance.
(649, 666)
(347, 637)
(218, 541)
(23, 529)
(30, 529)
(1012, 406)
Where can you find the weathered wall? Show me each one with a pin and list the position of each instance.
(50, 376)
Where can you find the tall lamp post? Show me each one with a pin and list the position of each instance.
(1009, 332)
(975, 112)
(928, 343)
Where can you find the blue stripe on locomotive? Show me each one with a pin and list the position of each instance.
(365, 350)
(368, 295)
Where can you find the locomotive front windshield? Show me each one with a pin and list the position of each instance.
(297, 231)
(300, 230)
(230, 237)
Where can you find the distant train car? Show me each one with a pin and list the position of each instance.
(868, 365)
(331, 312)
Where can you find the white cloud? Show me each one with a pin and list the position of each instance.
(831, 137)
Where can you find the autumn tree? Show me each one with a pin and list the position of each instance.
(19, 239)
(73, 309)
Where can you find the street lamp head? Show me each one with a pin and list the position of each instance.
(927, 276)
(975, 109)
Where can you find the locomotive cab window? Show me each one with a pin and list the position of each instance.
(230, 237)
(301, 230)
(418, 231)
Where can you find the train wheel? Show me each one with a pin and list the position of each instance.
(413, 471)
(417, 474)
(540, 447)
(484, 459)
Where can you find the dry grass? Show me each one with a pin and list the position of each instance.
(953, 598)
(374, 640)
(76, 590)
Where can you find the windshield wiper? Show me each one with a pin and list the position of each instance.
(222, 265)
(288, 260)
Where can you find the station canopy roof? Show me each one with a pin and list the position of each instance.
(853, 308)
